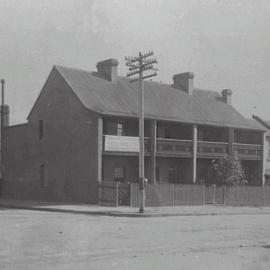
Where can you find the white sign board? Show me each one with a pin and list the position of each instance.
(121, 143)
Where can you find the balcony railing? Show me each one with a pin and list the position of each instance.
(248, 151)
(180, 148)
(174, 147)
(211, 149)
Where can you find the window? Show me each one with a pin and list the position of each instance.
(120, 129)
(40, 129)
(119, 174)
(115, 127)
(43, 175)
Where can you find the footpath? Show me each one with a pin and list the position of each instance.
(126, 211)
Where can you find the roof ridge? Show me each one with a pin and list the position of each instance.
(123, 77)
(72, 68)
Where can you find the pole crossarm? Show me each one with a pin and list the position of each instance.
(132, 59)
(149, 61)
(137, 66)
(134, 80)
(133, 73)
(132, 67)
(149, 76)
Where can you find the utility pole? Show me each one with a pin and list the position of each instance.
(139, 65)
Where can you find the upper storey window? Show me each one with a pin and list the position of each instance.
(115, 127)
(120, 129)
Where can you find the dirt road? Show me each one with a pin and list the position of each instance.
(39, 240)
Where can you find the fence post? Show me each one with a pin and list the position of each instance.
(224, 194)
(266, 192)
(116, 193)
(173, 188)
(204, 195)
(263, 195)
(214, 194)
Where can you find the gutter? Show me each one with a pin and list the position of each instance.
(261, 121)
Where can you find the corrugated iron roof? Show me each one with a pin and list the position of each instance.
(256, 124)
(162, 101)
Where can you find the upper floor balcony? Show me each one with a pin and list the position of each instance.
(212, 149)
(179, 148)
(176, 140)
(172, 147)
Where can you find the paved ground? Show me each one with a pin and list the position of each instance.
(44, 240)
(133, 212)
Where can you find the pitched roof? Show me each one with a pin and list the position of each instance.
(162, 101)
(265, 124)
(256, 124)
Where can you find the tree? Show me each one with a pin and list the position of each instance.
(227, 171)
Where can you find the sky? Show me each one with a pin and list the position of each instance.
(225, 43)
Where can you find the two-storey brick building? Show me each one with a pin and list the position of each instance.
(83, 129)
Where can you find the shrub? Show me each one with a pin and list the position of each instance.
(227, 171)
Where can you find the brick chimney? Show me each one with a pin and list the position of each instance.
(107, 69)
(227, 96)
(5, 111)
(184, 82)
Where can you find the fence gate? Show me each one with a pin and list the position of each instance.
(215, 194)
(114, 194)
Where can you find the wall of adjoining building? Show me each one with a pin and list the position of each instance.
(266, 157)
(67, 151)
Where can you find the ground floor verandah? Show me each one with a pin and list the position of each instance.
(175, 170)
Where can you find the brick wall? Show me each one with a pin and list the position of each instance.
(68, 149)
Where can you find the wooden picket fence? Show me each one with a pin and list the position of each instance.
(165, 194)
(169, 195)
(114, 194)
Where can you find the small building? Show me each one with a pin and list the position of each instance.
(266, 125)
(83, 129)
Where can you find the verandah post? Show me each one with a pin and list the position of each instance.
(194, 153)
